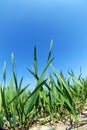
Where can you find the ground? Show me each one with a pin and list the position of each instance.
(61, 126)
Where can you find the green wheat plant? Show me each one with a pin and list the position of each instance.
(53, 99)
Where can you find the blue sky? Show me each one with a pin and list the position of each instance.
(25, 23)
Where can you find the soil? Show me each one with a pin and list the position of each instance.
(61, 126)
(82, 125)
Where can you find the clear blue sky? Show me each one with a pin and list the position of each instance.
(25, 23)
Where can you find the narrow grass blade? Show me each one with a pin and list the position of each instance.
(33, 96)
(50, 51)
(4, 73)
(35, 61)
(15, 97)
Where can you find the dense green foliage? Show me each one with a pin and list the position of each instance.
(54, 97)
